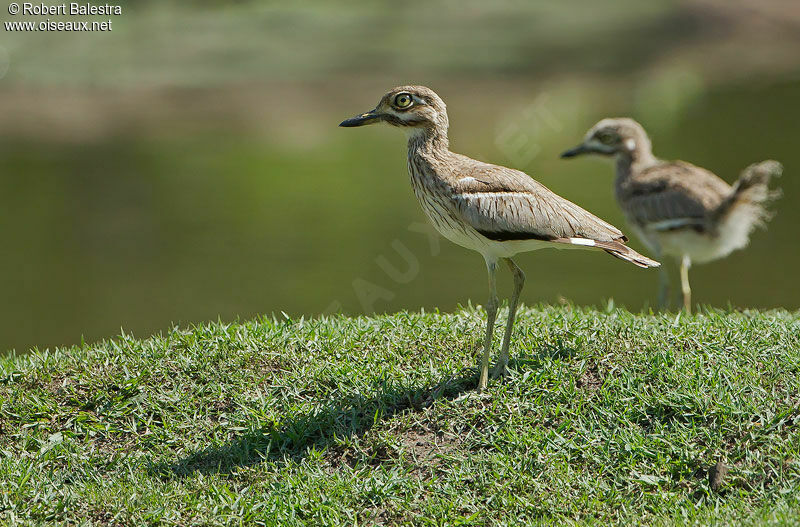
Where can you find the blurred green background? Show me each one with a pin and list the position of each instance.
(188, 166)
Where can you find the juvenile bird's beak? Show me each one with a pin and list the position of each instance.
(370, 117)
(578, 150)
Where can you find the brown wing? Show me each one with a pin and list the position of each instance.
(506, 204)
(672, 195)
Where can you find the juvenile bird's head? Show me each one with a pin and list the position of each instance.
(613, 136)
(415, 108)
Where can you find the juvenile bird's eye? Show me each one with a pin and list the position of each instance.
(403, 100)
(605, 138)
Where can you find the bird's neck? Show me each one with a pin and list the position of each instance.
(634, 159)
(428, 141)
(428, 155)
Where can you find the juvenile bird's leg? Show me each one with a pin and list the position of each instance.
(686, 263)
(519, 282)
(491, 313)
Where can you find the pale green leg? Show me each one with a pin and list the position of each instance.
(686, 263)
(491, 314)
(519, 282)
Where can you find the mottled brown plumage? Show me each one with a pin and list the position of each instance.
(671, 190)
(523, 205)
(491, 209)
(677, 208)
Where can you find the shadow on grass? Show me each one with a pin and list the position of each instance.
(348, 417)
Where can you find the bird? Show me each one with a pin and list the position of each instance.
(678, 209)
(496, 211)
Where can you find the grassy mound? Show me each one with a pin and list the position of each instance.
(605, 417)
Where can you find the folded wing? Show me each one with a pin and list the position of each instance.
(505, 204)
(672, 195)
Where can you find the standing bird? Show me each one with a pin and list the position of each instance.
(494, 210)
(676, 208)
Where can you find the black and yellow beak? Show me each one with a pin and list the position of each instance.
(370, 117)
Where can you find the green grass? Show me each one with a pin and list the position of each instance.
(606, 417)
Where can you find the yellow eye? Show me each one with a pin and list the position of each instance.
(403, 100)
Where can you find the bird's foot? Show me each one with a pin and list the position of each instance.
(499, 371)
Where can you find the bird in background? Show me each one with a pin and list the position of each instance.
(678, 209)
(494, 210)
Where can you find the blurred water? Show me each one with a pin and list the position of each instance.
(138, 233)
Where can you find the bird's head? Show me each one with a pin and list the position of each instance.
(414, 108)
(613, 136)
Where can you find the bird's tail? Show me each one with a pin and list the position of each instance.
(623, 252)
(751, 195)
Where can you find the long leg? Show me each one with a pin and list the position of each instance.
(519, 282)
(686, 263)
(491, 313)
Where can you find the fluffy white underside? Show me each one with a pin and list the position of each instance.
(733, 233)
